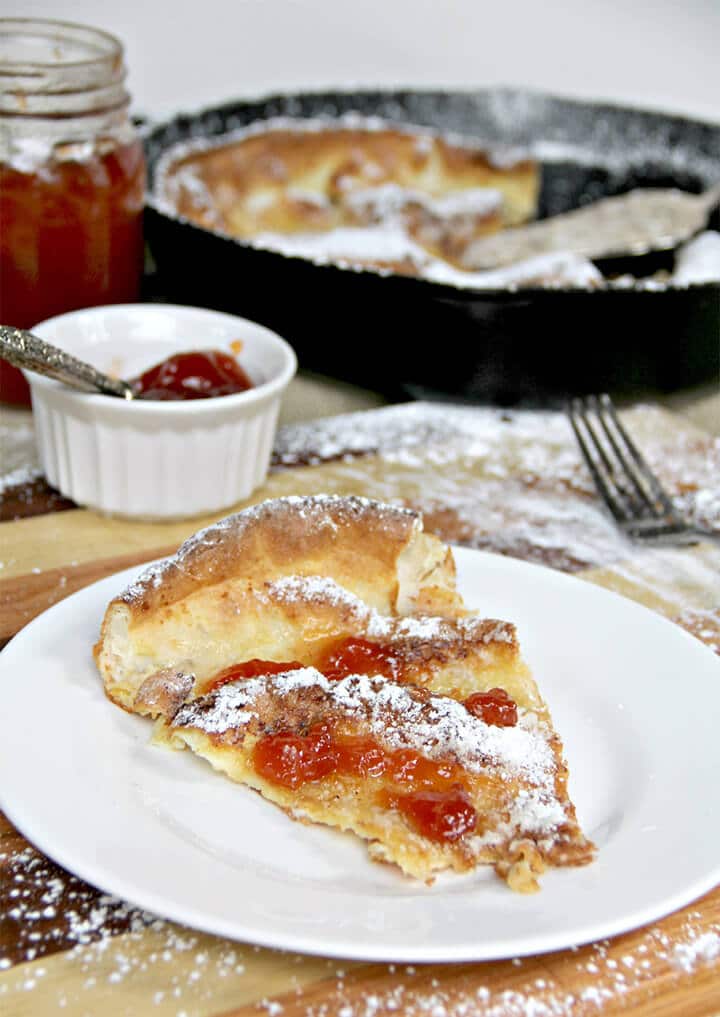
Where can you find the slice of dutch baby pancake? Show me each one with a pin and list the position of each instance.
(317, 650)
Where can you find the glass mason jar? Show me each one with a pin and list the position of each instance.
(72, 177)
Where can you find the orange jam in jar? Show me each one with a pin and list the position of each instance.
(72, 177)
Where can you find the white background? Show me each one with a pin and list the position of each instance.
(656, 53)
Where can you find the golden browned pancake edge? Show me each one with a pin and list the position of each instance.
(377, 552)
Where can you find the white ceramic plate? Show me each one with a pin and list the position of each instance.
(635, 698)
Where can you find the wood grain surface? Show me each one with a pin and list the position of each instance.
(23, 597)
(67, 948)
(536, 985)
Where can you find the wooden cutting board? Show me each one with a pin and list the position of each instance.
(512, 483)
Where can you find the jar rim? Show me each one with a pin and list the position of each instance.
(105, 44)
(39, 56)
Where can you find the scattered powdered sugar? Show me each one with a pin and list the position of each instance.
(19, 477)
(152, 576)
(510, 481)
(234, 705)
(556, 270)
(534, 812)
(347, 245)
(324, 590)
(388, 243)
(429, 627)
(317, 588)
(105, 942)
(411, 627)
(609, 143)
(18, 451)
(605, 976)
(391, 203)
(396, 430)
(387, 201)
(399, 716)
(705, 624)
(471, 201)
(442, 726)
(44, 909)
(698, 261)
(47, 909)
(23, 489)
(704, 949)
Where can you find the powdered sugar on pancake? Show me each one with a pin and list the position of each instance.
(398, 716)
(323, 590)
(320, 510)
(320, 590)
(165, 192)
(386, 201)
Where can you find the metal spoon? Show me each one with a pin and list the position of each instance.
(23, 349)
(644, 220)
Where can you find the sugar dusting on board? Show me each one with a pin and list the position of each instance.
(509, 481)
(109, 946)
(19, 466)
(23, 489)
(604, 977)
(106, 944)
(489, 445)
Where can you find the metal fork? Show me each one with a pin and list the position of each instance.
(640, 505)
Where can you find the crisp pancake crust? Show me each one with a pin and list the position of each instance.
(271, 538)
(203, 608)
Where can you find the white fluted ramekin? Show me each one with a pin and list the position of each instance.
(158, 460)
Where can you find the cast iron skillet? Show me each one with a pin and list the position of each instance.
(409, 336)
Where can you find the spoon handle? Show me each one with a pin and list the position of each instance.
(23, 349)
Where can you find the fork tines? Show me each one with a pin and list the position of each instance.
(627, 484)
